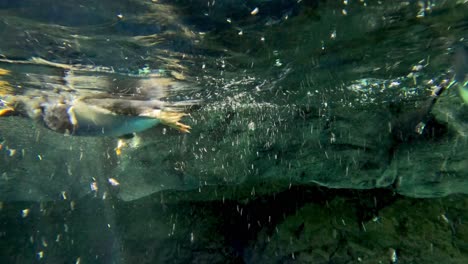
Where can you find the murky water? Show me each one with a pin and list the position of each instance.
(312, 125)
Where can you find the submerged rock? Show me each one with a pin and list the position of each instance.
(306, 225)
(437, 167)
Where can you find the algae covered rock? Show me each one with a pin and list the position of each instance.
(437, 167)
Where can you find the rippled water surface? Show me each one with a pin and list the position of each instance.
(314, 132)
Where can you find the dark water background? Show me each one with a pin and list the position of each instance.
(355, 56)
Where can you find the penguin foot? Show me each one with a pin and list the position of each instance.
(172, 119)
(121, 144)
(127, 142)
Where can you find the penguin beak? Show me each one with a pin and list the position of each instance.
(7, 111)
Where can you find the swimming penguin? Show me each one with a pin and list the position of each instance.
(93, 115)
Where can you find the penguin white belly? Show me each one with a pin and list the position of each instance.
(89, 120)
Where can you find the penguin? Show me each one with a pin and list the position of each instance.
(77, 110)
(94, 115)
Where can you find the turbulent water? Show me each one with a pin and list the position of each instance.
(309, 120)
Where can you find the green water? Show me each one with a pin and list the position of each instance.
(311, 140)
